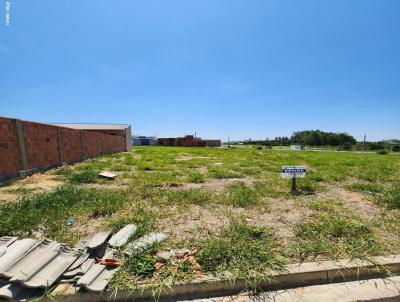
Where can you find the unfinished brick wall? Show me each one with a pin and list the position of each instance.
(10, 157)
(27, 146)
(72, 147)
(42, 145)
(91, 143)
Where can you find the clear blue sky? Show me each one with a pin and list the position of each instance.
(241, 68)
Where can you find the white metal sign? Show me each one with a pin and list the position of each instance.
(293, 172)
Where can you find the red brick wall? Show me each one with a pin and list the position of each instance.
(9, 147)
(42, 145)
(90, 143)
(104, 143)
(72, 148)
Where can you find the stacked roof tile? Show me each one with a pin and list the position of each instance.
(29, 266)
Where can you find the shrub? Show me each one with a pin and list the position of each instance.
(382, 152)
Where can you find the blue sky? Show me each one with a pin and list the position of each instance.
(244, 69)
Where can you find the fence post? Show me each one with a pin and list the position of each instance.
(22, 146)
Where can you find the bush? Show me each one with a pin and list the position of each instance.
(382, 152)
(345, 147)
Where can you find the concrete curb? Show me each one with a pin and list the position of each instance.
(296, 275)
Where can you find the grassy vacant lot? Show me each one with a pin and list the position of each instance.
(229, 206)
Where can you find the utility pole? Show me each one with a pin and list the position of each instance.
(363, 145)
(229, 145)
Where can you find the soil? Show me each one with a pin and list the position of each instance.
(186, 157)
(215, 185)
(40, 182)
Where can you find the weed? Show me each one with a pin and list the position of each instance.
(141, 264)
(367, 187)
(139, 215)
(63, 171)
(338, 237)
(239, 195)
(194, 196)
(222, 173)
(86, 175)
(49, 211)
(197, 178)
(243, 250)
(390, 196)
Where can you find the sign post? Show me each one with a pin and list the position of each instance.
(293, 172)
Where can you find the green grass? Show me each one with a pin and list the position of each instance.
(49, 211)
(338, 237)
(173, 189)
(240, 250)
(335, 233)
(197, 178)
(181, 197)
(238, 194)
(390, 196)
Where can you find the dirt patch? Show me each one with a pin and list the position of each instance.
(202, 169)
(33, 184)
(356, 202)
(105, 186)
(44, 182)
(187, 157)
(359, 203)
(215, 185)
(8, 197)
(282, 215)
(89, 228)
(195, 221)
(136, 155)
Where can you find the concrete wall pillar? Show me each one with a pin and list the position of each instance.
(22, 145)
(82, 144)
(60, 145)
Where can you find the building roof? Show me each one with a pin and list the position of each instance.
(93, 126)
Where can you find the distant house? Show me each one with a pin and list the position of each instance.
(138, 140)
(297, 147)
(189, 141)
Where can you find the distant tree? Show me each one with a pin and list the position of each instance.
(320, 138)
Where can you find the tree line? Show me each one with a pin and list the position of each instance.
(342, 141)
